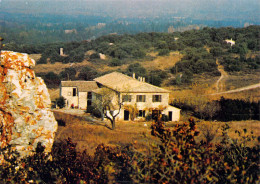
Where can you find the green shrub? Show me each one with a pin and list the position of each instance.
(115, 62)
(60, 102)
(164, 52)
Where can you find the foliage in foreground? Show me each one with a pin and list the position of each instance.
(175, 158)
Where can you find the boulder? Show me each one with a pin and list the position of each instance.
(25, 115)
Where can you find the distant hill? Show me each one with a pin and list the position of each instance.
(163, 58)
(48, 21)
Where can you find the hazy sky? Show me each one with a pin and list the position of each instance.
(206, 9)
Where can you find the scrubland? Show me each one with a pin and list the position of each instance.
(88, 135)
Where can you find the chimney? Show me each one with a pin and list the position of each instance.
(143, 79)
(134, 75)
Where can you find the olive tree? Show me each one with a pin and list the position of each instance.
(108, 102)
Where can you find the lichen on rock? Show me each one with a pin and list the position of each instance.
(25, 115)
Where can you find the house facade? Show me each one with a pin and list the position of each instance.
(77, 94)
(144, 98)
(133, 95)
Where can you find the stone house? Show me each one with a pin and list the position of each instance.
(146, 98)
(77, 94)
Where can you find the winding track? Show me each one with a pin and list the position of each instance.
(223, 77)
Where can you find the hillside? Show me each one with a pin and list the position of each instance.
(172, 60)
(215, 141)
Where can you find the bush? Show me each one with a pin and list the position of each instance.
(42, 60)
(148, 117)
(94, 56)
(165, 118)
(164, 52)
(60, 102)
(175, 158)
(115, 62)
(51, 79)
(95, 111)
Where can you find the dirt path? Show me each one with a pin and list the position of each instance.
(254, 86)
(220, 84)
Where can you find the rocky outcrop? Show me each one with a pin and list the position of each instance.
(25, 117)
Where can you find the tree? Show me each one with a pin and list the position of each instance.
(115, 62)
(87, 73)
(68, 74)
(108, 103)
(60, 102)
(164, 52)
(136, 68)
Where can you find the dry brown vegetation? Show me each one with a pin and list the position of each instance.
(162, 62)
(238, 80)
(58, 67)
(36, 57)
(88, 135)
(54, 93)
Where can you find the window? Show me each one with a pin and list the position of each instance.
(74, 91)
(140, 98)
(127, 98)
(157, 98)
(141, 113)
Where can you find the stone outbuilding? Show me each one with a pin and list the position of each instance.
(77, 94)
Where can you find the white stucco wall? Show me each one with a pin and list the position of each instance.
(67, 93)
(148, 100)
(148, 105)
(175, 112)
(83, 100)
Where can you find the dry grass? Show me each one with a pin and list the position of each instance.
(240, 80)
(250, 125)
(162, 62)
(88, 135)
(54, 93)
(59, 67)
(207, 86)
(252, 95)
(36, 57)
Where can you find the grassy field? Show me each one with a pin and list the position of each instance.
(88, 135)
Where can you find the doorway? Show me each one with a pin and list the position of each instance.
(126, 115)
(170, 115)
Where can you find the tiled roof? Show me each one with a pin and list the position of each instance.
(123, 83)
(83, 86)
